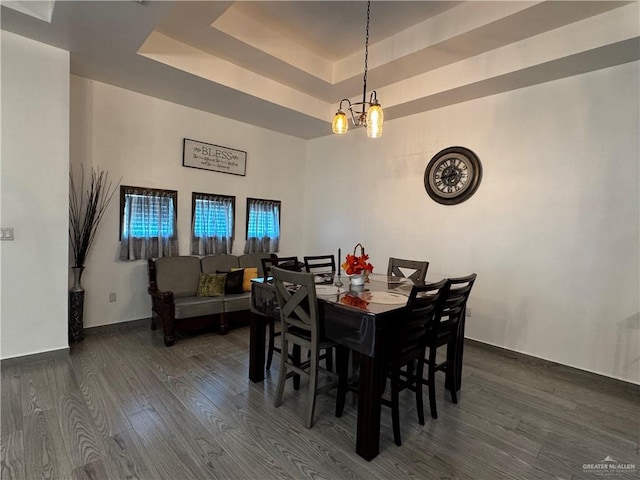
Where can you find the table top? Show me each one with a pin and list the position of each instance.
(353, 316)
(380, 294)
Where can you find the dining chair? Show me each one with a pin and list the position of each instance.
(405, 349)
(300, 319)
(287, 263)
(320, 264)
(444, 330)
(408, 348)
(418, 268)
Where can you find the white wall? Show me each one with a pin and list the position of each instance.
(34, 200)
(553, 230)
(140, 138)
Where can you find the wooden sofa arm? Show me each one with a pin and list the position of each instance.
(164, 297)
(163, 306)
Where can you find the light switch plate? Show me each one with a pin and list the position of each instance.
(6, 233)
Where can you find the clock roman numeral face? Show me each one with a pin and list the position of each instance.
(452, 175)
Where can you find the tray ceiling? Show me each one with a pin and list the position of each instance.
(286, 65)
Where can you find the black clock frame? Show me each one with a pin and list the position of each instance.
(469, 157)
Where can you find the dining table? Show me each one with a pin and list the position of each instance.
(358, 318)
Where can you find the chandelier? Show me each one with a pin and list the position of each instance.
(365, 113)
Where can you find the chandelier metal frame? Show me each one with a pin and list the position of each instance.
(360, 111)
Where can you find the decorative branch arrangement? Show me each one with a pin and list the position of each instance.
(86, 209)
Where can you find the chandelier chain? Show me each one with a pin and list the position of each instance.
(366, 53)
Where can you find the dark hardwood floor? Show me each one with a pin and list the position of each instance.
(123, 406)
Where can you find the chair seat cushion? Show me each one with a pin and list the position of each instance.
(187, 307)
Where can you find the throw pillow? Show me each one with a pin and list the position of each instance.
(233, 283)
(249, 273)
(211, 284)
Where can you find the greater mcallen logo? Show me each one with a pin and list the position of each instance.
(608, 466)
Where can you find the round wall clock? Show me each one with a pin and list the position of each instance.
(453, 175)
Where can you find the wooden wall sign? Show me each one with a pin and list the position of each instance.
(213, 157)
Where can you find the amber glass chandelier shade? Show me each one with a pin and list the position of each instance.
(340, 123)
(375, 117)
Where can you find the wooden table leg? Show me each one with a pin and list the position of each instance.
(256, 347)
(370, 390)
(342, 368)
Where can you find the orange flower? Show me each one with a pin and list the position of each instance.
(354, 265)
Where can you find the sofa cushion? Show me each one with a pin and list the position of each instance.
(236, 303)
(212, 284)
(224, 263)
(233, 282)
(187, 307)
(180, 275)
(249, 274)
(253, 260)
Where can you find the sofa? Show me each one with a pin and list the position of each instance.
(176, 282)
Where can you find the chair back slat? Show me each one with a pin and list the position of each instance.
(419, 269)
(320, 263)
(409, 337)
(296, 294)
(286, 263)
(445, 325)
(294, 308)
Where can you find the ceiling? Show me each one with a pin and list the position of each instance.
(285, 65)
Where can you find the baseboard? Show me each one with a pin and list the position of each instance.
(239, 317)
(612, 381)
(64, 352)
(117, 327)
(35, 358)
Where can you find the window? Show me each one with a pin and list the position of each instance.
(263, 226)
(212, 225)
(148, 223)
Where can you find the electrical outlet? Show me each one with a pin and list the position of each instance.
(6, 233)
(112, 297)
(468, 312)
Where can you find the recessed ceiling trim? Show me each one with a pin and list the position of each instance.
(40, 9)
(247, 30)
(588, 61)
(451, 23)
(168, 51)
(607, 28)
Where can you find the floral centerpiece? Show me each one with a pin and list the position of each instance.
(357, 265)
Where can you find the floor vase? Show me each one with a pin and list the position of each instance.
(76, 307)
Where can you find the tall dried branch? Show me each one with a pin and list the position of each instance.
(86, 209)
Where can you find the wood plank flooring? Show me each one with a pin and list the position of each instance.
(123, 406)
